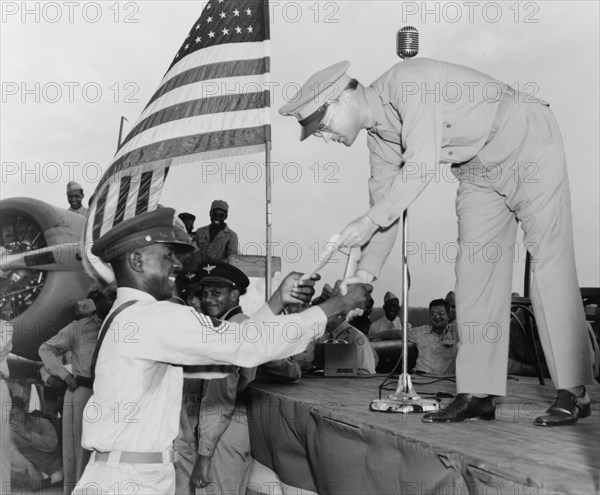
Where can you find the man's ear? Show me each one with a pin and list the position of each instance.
(347, 97)
(136, 261)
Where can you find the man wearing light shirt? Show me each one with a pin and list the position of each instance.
(390, 321)
(506, 152)
(132, 419)
(79, 337)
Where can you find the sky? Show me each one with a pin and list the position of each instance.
(70, 70)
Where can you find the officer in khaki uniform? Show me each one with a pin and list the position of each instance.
(507, 153)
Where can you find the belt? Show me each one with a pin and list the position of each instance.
(125, 457)
(84, 381)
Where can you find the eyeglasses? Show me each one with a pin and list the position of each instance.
(437, 313)
(323, 126)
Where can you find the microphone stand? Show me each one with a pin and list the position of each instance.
(404, 399)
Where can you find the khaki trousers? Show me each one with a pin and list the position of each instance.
(519, 175)
(75, 457)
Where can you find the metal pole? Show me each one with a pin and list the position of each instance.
(268, 266)
(527, 281)
(404, 294)
(121, 132)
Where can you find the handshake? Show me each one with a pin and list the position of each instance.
(340, 300)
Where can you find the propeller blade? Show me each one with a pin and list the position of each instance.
(60, 257)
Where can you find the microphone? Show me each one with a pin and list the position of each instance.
(407, 42)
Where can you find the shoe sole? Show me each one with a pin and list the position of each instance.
(485, 417)
(585, 413)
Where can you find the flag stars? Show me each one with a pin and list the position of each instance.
(248, 12)
(250, 29)
(238, 30)
(209, 19)
(223, 15)
(198, 39)
(187, 46)
(236, 13)
(225, 31)
(197, 27)
(211, 34)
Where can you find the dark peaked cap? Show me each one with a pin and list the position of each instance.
(222, 274)
(145, 229)
(185, 215)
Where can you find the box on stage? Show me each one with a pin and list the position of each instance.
(337, 359)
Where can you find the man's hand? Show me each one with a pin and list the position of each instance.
(361, 277)
(357, 296)
(200, 472)
(293, 290)
(55, 382)
(19, 428)
(358, 232)
(71, 382)
(35, 477)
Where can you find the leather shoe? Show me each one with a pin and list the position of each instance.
(464, 406)
(566, 409)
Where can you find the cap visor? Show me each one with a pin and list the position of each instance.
(216, 281)
(309, 129)
(179, 246)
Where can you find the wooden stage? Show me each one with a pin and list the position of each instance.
(320, 435)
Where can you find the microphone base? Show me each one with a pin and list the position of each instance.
(404, 400)
(405, 406)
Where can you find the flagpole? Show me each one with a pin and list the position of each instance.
(268, 266)
(121, 132)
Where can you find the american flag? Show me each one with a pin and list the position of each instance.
(211, 103)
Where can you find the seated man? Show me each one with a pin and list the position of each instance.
(391, 320)
(363, 321)
(340, 330)
(436, 342)
(35, 451)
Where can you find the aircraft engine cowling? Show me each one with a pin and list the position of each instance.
(41, 274)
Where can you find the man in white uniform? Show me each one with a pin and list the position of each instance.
(132, 418)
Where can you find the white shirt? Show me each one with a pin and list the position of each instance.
(138, 386)
(383, 325)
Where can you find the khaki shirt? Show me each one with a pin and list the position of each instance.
(426, 112)
(437, 352)
(80, 211)
(79, 337)
(222, 247)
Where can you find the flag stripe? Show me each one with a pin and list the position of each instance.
(122, 201)
(144, 193)
(218, 70)
(201, 106)
(99, 216)
(201, 124)
(216, 54)
(210, 88)
(188, 145)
